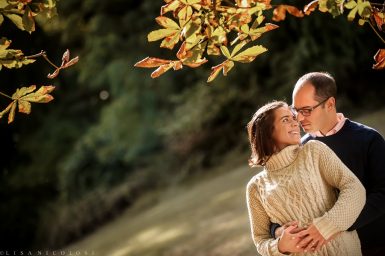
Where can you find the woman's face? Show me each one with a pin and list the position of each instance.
(286, 129)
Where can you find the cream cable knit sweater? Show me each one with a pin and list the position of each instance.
(298, 183)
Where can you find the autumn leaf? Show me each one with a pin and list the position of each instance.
(66, 62)
(170, 32)
(249, 54)
(279, 12)
(150, 62)
(171, 6)
(379, 18)
(379, 58)
(310, 7)
(11, 58)
(363, 8)
(163, 65)
(23, 98)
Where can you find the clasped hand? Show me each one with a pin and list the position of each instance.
(299, 239)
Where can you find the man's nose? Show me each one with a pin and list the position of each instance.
(300, 117)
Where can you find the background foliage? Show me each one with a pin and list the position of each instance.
(112, 133)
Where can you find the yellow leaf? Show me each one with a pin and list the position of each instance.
(170, 41)
(40, 96)
(238, 47)
(249, 54)
(214, 73)
(24, 106)
(12, 111)
(225, 51)
(171, 6)
(167, 23)
(160, 33)
(7, 109)
(17, 20)
(228, 65)
(20, 92)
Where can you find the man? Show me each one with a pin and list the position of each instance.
(361, 148)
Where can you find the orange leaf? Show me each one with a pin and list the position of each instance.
(379, 18)
(162, 69)
(71, 62)
(280, 12)
(215, 71)
(380, 59)
(150, 62)
(310, 7)
(54, 74)
(7, 109)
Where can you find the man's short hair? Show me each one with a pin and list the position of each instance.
(324, 84)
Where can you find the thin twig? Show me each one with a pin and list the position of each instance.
(5, 95)
(382, 39)
(44, 55)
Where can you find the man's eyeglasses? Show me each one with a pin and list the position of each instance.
(306, 111)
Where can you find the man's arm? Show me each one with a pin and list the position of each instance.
(375, 184)
(273, 228)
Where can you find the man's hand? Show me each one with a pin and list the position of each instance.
(312, 240)
(288, 240)
(279, 231)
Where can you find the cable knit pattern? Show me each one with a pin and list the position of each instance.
(300, 183)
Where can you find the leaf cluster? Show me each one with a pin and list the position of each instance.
(23, 13)
(223, 28)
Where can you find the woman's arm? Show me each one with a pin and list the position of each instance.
(260, 223)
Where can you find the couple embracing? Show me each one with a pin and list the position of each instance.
(324, 193)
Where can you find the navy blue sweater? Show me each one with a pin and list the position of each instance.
(362, 150)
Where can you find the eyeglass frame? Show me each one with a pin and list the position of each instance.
(309, 109)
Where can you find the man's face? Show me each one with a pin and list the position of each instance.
(304, 98)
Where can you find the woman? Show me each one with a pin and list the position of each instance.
(299, 183)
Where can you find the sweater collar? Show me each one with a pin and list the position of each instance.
(283, 158)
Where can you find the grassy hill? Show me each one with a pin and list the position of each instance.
(206, 217)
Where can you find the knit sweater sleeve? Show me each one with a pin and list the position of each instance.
(351, 198)
(260, 222)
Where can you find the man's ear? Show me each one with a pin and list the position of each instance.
(331, 103)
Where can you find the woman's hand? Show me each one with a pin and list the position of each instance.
(288, 240)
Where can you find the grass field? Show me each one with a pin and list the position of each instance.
(204, 218)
